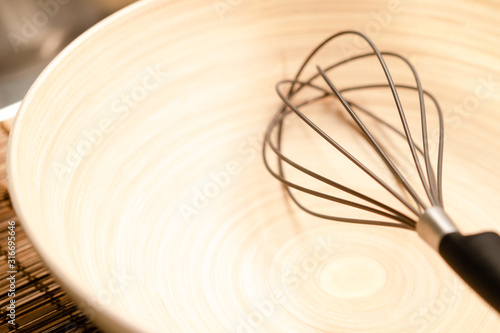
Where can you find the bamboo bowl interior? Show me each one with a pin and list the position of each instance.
(135, 167)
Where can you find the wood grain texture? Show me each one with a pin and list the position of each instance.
(135, 167)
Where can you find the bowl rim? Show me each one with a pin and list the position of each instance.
(104, 316)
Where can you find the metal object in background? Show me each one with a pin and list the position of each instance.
(33, 32)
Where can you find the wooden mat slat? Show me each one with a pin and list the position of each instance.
(41, 304)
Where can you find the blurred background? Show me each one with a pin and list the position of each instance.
(33, 32)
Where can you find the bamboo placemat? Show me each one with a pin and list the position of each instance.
(41, 304)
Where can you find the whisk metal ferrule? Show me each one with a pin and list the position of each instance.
(433, 225)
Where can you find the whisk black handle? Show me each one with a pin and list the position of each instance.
(476, 258)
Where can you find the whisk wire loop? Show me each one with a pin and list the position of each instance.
(432, 184)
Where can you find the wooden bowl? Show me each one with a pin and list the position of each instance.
(135, 167)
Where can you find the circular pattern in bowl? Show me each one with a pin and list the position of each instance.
(134, 165)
